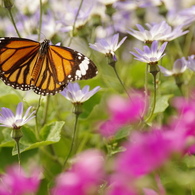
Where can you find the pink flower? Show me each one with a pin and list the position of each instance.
(17, 182)
(184, 126)
(145, 153)
(85, 176)
(120, 189)
(122, 112)
(121, 184)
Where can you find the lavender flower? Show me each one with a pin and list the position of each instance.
(150, 55)
(191, 62)
(8, 119)
(181, 18)
(76, 95)
(179, 67)
(108, 45)
(158, 31)
(188, 11)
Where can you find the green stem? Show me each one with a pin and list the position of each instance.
(146, 86)
(18, 149)
(40, 20)
(46, 110)
(36, 118)
(16, 134)
(74, 24)
(13, 22)
(178, 48)
(72, 146)
(154, 100)
(188, 42)
(118, 77)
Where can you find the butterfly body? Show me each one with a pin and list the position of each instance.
(44, 68)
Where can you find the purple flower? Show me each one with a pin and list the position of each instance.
(122, 112)
(179, 67)
(8, 119)
(17, 182)
(75, 94)
(85, 176)
(159, 32)
(191, 62)
(150, 55)
(180, 18)
(188, 11)
(108, 45)
(72, 11)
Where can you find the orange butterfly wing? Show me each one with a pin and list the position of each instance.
(27, 64)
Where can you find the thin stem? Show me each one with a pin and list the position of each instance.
(73, 137)
(16, 134)
(13, 22)
(36, 118)
(118, 77)
(40, 20)
(113, 64)
(146, 86)
(74, 24)
(46, 110)
(154, 101)
(179, 49)
(188, 41)
(18, 149)
(180, 89)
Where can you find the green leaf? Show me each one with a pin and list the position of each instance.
(49, 134)
(5, 138)
(162, 103)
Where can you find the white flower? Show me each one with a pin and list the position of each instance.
(8, 119)
(75, 94)
(179, 67)
(150, 55)
(108, 45)
(158, 31)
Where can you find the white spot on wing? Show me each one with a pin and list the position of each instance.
(78, 73)
(84, 65)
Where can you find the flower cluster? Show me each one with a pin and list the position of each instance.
(131, 132)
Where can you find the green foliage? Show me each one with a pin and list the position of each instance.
(47, 139)
(49, 134)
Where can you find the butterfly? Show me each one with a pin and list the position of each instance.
(46, 69)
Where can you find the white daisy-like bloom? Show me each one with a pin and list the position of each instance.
(8, 119)
(158, 31)
(150, 55)
(76, 95)
(179, 66)
(108, 45)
